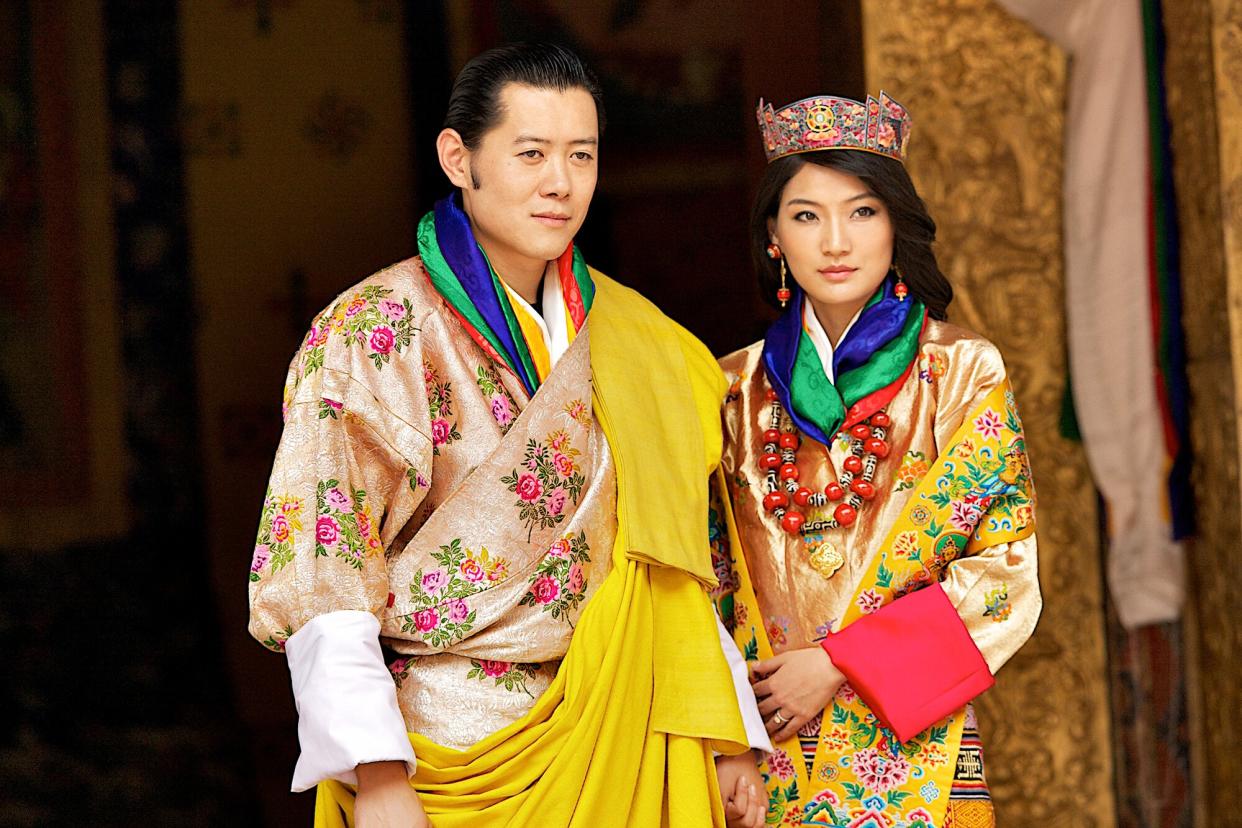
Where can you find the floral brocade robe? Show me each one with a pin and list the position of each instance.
(995, 591)
(417, 481)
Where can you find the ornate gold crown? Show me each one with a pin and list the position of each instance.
(881, 126)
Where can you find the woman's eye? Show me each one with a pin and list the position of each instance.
(805, 215)
(865, 212)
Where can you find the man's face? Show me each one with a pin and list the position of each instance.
(536, 171)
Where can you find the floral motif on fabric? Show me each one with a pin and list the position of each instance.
(416, 479)
(506, 674)
(370, 320)
(343, 523)
(579, 411)
(439, 613)
(558, 584)
(722, 558)
(400, 669)
(741, 488)
(548, 480)
(988, 425)
(880, 764)
(913, 468)
(278, 527)
(499, 402)
(735, 387)
(329, 409)
(778, 631)
(932, 367)
(440, 399)
(996, 604)
(276, 641)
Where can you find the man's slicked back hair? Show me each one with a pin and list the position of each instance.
(474, 104)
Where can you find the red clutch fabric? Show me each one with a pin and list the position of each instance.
(912, 661)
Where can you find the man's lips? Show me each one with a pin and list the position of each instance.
(552, 219)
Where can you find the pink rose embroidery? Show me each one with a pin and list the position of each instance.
(529, 488)
(393, 310)
(333, 404)
(280, 528)
(398, 666)
(337, 499)
(576, 580)
(364, 524)
(440, 431)
(261, 556)
(560, 549)
(312, 339)
(382, 339)
(556, 501)
(434, 581)
(426, 620)
(355, 307)
(545, 589)
(457, 611)
(495, 669)
(471, 571)
(564, 466)
(502, 410)
(327, 530)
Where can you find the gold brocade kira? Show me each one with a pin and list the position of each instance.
(996, 196)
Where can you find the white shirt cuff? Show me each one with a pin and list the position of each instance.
(347, 702)
(756, 733)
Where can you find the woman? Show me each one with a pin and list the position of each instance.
(875, 516)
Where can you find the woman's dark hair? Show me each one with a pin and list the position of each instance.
(474, 103)
(913, 229)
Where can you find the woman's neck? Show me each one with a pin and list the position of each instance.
(835, 318)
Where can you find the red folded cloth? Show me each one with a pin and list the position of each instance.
(912, 661)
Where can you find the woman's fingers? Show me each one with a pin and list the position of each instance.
(789, 729)
(768, 705)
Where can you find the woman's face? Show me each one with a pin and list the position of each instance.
(836, 236)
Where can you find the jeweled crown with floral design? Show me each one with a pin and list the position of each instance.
(880, 125)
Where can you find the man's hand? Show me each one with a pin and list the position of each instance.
(386, 799)
(793, 687)
(741, 787)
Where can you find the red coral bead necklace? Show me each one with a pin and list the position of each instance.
(786, 497)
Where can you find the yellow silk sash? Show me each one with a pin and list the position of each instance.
(977, 494)
(624, 734)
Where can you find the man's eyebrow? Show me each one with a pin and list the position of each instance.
(532, 139)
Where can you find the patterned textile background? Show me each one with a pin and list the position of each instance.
(296, 121)
(987, 95)
(1203, 72)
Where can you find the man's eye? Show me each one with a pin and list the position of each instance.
(530, 154)
(583, 156)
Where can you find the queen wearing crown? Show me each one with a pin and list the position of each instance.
(873, 525)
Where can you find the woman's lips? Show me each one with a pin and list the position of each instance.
(837, 274)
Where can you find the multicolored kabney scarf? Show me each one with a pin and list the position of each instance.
(870, 363)
(494, 316)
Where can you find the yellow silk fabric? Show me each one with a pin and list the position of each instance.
(624, 735)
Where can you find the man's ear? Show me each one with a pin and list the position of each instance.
(454, 158)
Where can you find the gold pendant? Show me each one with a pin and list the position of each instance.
(825, 559)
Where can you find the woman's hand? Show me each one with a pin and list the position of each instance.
(741, 788)
(793, 687)
(386, 799)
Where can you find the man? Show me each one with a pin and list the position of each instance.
(483, 546)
